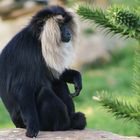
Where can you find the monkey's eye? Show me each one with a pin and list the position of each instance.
(61, 24)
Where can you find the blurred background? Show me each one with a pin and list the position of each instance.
(105, 63)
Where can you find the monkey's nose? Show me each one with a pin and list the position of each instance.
(66, 37)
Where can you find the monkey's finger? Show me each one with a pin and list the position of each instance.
(74, 94)
(78, 87)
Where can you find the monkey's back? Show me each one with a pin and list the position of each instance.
(21, 63)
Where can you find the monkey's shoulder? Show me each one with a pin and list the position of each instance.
(23, 44)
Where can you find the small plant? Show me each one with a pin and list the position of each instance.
(119, 20)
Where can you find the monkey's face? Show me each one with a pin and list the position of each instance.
(58, 24)
(57, 32)
(65, 28)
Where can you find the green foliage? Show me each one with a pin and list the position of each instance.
(114, 20)
(125, 19)
(113, 76)
(120, 109)
(122, 20)
(98, 16)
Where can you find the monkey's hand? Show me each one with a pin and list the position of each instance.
(77, 81)
(73, 77)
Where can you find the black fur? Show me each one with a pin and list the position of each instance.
(34, 99)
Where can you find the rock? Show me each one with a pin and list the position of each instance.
(88, 134)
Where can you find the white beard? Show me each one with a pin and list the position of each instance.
(57, 55)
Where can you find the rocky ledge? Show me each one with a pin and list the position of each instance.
(88, 134)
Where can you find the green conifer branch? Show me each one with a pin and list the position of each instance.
(115, 20)
(125, 21)
(97, 16)
(120, 109)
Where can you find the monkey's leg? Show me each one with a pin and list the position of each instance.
(53, 115)
(78, 120)
(17, 119)
(61, 90)
(13, 110)
(26, 101)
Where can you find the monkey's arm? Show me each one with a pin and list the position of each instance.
(74, 77)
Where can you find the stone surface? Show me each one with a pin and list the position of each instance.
(88, 134)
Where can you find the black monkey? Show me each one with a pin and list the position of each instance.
(34, 74)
